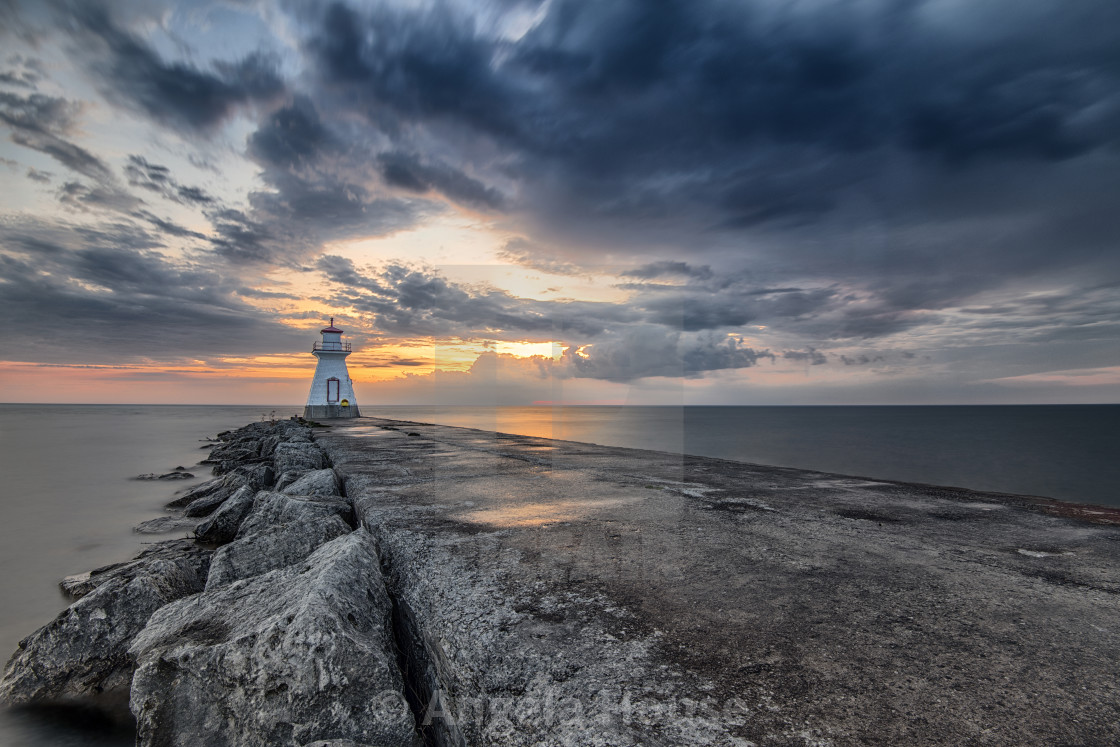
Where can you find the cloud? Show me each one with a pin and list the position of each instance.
(811, 356)
(642, 351)
(39, 122)
(611, 342)
(405, 170)
(827, 184)
(624, 107)
(84, 197)
(156, 178)
(175, 93)
(667, 268)
(409, 301)
(24, 72)
(521, 251)
(105, 293)
(319, 189)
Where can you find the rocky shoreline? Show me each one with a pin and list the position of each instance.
(385, 583)
(264, 628)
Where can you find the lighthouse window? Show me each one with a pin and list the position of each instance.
(332, 390)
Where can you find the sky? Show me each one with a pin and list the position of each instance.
(640, 202)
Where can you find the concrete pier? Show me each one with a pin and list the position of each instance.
(554, 593)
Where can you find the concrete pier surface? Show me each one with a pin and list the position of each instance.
(554, 593)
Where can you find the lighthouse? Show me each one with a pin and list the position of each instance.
(332, 391)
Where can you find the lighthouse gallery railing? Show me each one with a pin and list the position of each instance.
(339, 346)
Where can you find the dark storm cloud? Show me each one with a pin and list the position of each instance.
(406, 171)
(240, 239)
(176, 93)
(320, 189)
(922, 153)
(609, 94)
(105, 292)
(293, 136)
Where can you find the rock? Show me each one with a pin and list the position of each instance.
(82, 655)
(207, 504)
(80, 584)
(240, 450)
(298, 456)
(223, 524)
(177, 475)
(301, 655)
(229, 465)
(279, 530)
(158, 555)
(227, 484)
(276, 509)
(147, 476)
(164, 524)
(258, 476)
(287, 479)
(319, 482)
(204, 498)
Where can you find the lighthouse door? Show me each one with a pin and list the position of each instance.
(332, 390)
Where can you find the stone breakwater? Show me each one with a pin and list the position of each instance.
(387, 583)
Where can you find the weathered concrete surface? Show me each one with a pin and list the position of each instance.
(559, 593)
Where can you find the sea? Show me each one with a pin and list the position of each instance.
(69, 497)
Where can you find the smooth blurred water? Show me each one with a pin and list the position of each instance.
(67, 503)
(1069, 452)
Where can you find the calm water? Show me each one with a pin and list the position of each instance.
(1067, 452)
(68, 503)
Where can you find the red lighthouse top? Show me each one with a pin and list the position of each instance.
(331, 328)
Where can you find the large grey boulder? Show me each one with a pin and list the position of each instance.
(163, 558)
(278, 531)
(287, 478)
(82, 655)
(239, 450)
(205, 498)
(298, 456)
(296, 435)
(257, 476)
(225, 483)
(317, 482)
(301, 654)
(223, 524)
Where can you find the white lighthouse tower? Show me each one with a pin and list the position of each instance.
(332, 391)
